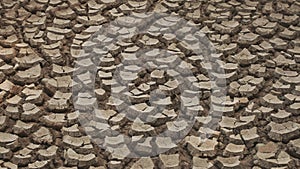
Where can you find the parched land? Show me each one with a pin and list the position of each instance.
(256, 125)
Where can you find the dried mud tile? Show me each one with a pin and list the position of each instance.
(169, 161)
(245, 57)
(42, 136)
(30, 75)
(143, 163)
(23, 128)
(59, 102)
(8, 140)
(284, 131)
(74, 159)
(228, 162)
(201, 163)
(47, 154)
(30, 112)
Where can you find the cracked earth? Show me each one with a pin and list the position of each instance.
(257, 44)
